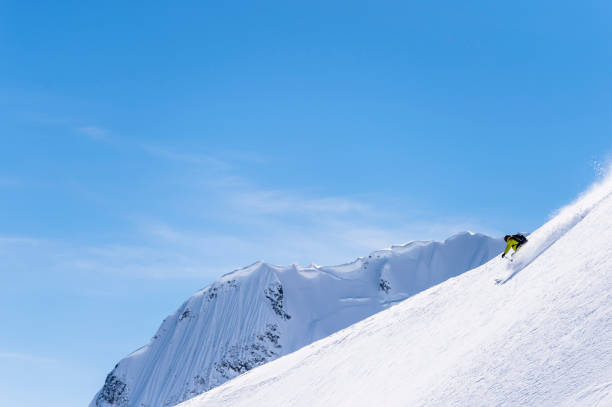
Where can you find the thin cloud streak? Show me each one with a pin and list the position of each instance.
(101, 134)
(8, 240)
(9, 182)
(25, 357)
(187, 158)
(95, 132)
(278, 201)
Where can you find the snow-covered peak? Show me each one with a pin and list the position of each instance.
(540, 337)
(255, 314)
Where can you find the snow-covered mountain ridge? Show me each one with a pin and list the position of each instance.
(256, 314)
(543, 337)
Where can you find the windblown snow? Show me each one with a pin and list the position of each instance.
(541, 338)
(257, 314)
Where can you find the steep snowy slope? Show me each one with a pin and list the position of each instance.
(254, 315)
(542, 338)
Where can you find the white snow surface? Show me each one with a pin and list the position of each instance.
(257, 314)
(541, 338)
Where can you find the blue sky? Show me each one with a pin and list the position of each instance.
(149, 148)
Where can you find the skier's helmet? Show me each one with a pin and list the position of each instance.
(506, 238)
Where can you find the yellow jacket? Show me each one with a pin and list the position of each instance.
(511, 243)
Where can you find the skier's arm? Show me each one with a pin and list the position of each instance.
(508, 246)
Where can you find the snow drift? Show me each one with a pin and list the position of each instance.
(542, 338)
(254, 315)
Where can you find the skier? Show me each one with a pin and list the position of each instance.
(515, 242)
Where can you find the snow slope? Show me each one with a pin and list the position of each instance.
(254, 315)
(542, 338)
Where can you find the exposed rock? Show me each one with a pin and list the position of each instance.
(384, 285)
(114, 392)
(274, 294)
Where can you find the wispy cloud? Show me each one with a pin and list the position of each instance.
(9, 182)
(132, 261)
(243, 156)
(13, 244)
(101, 134)
(148, 259)
(279, 201)
(95, 132)
(188, 158)
(25, 357)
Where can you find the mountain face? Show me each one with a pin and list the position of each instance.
(541, 337)
(254, 315)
